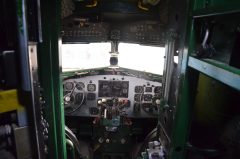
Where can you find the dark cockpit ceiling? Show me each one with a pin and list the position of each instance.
(131, 21)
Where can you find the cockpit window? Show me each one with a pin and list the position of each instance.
(141, 57)
(96, 55)
(85, 56)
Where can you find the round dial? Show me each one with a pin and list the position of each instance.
(91, 87)
(80, 86)
(79, 97)
(147, 97)
(137, 97)
(157, 89)
(139, 89)
(148, 89)
(68, 86)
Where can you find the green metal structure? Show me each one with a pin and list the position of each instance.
(192, 66)
(50, 73)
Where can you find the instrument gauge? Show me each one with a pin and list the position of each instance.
(138, 97)
(79, 98)
(157, 89)
(139, 89)
(80, 86)
(148, 89)
(147, 97)
(91, 87)
(68, 86)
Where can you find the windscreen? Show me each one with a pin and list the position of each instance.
(95, 55)
(142, 58)
(85, 56)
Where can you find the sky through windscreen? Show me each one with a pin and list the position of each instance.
(95, 55)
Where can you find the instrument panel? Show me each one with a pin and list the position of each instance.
(113, 88)
(82, 95)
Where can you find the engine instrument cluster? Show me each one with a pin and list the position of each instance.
(111, 95)
(113, 89)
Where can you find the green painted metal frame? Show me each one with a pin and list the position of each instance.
(229, 76)
(189, 77)
(214, 11)
(204, 8)
(50, 76)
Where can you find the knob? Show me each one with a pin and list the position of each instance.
(100, 140)
(104, 100)
(99, 102)
(67, 98)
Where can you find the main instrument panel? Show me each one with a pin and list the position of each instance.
(133, 96)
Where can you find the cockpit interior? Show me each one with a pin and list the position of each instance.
(119, 79)
(118, 48)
